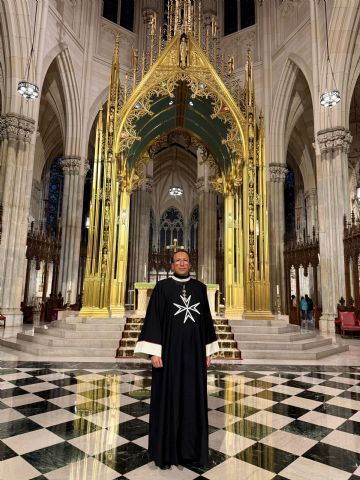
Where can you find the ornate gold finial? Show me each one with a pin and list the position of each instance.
(183, 17)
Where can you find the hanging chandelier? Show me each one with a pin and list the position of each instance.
(27, 89)
(176, 191)
(331, 96)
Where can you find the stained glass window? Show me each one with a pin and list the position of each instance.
(55, 191)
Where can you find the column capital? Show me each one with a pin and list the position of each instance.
(71, 165)
(148, 185)
(16, 127)
(278, 172)
(331, 139)
(145, 185)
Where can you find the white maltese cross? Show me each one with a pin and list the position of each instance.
(187, 308)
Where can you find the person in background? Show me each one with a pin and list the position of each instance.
(303, 309)
(310, 305)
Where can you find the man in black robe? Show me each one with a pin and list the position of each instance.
(179, 337)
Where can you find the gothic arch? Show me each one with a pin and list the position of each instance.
(72, 103)
(12, 29)
(280, 106)
(290, 110)
(203, 84)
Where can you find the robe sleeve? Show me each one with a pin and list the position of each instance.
(149, 342)
(212, 345)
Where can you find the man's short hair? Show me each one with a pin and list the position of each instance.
(178, 251)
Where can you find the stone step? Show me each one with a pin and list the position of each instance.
(48, 340)
(66, 333)
(91, 320)
(81, 327)
(306, 344)
(127, 334)
(224, 336)
(238, 328)
(135, 320)
(228, 353)
(223, 328)
(128, 342)
(226, 344)
(313, 354)
(220, 321)
(258, 323)
(132, 328)
(278, 337)
(43, 350)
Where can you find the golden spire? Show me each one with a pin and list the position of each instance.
(183, 17)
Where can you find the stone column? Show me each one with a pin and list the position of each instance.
(333, 204)
(71, 220)
(16, 168)
(207, 224)
(278, 173)
(139, 234)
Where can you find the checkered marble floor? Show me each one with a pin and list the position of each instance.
(89, 421)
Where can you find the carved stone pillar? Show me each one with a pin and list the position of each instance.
(71, 217)
(278, 173)
(16, 169)
(207, 223)
(138, 268)
(333, 203)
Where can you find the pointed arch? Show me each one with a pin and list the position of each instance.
(72, 103)
(13, 29)
(205, 87)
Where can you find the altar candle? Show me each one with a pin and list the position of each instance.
(277, 290)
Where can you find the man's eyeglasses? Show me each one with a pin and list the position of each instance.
(181, 261)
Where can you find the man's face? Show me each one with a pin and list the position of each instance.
(181, 264)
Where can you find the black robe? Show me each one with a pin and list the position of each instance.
(179, 328)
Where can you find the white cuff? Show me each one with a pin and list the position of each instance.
(212, 348)
(145, 349)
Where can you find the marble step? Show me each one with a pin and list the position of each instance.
(43, 350)
(81, 327)
(223, 328)
(278, 337)
(220, 321)
(260, 323)
(228, 353)
(132, 327)
(68, 342)
(298, 345)
(287, 328)
(66, 333)
(313, 354)
(90, 320)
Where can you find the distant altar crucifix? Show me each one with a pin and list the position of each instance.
(174, 247)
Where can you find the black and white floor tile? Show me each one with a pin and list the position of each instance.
(89, 421)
